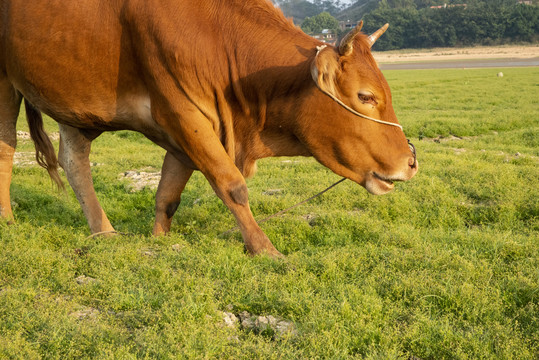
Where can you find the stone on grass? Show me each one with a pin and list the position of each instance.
(247, 321)
(23, 135)
(271, 192)
(87, 313)
(148, 253)
(311, 219)
(141, 179)
(177, 247)
(285, 327)
(268, 325)
(230, 319)
(84, 280)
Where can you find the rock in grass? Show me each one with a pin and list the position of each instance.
(311, 219)
(267, 325)
(247, 321)
(230, 319)
(141, 179)
(177, 247)
(274, 325)
(272, 192)
(84, 280)
(284, 327)
(88, 313)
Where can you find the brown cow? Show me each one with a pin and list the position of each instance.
(218, 84)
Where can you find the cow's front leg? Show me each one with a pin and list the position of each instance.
(10, 102)
(74, 158)
(174, 177)
(230, 186)
(195, 136)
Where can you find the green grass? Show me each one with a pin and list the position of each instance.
(444, 267)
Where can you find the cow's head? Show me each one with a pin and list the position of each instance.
(349, 83)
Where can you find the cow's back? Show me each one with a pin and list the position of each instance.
(72, 49)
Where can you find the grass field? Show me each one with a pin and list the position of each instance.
(444, 267)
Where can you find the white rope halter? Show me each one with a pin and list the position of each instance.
(322, 47)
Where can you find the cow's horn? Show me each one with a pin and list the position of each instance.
(372, 38)
(347, 43)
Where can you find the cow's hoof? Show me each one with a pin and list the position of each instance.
(105, 234)
(6, 220)
(160, 229)
(157, 233)
(271, 252)
(275, 254)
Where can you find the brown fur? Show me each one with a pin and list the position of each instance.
(218, 84)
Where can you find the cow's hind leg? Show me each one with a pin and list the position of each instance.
(174, 177)
(73, 156)
(10, 102)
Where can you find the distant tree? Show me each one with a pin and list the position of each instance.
(414, 24)
(399, 4)
(523, 23)
(403, 27)
(319, 22)
(299, 9)
(492, 22)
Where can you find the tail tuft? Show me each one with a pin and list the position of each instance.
(45, 154)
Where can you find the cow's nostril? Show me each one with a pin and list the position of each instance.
(413, 160)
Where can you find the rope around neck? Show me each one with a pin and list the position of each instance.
(338, 101)
(320, 48)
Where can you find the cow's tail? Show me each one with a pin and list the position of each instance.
(45, 154)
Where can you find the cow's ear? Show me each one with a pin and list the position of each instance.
(326, 69)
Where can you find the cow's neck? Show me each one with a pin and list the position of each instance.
(269, 62)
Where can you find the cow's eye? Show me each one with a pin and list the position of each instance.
(367, 98)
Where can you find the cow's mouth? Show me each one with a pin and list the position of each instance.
(383, 179)
(377, 184)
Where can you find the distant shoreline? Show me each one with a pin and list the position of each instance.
(454, 54)
(462, 64)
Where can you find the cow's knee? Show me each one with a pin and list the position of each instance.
(171, 209)
(239, 194)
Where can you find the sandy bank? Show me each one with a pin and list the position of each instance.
(448, 54)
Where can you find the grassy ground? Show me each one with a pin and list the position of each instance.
(445, 267)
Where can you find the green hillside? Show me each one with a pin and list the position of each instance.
(431, 23)
(300, 9)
